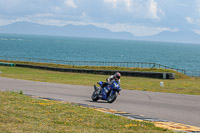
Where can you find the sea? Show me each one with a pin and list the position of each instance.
(176, 55)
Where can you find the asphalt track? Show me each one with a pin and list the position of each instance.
(166, 106)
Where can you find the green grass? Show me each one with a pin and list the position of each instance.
(177, 74)
(20, 113)
(181, 86)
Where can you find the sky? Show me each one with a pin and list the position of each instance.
(139, 17)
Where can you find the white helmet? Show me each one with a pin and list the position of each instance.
(117, 75)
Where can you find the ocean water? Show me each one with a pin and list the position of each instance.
(176, 55)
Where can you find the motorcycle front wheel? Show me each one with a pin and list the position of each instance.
(112, 98)
(95, 96)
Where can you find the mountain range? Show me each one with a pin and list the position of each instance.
(96, 32)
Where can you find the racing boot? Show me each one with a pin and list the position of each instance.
(95, 88)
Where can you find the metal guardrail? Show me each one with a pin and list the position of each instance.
(101, 63)
(7, 64)
(159, 75)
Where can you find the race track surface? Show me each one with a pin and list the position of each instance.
(166, 106)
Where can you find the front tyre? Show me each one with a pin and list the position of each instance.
(95, 96)
(112, 98)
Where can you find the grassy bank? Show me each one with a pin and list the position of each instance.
(184, 85)
(20, 113)
(177, 74)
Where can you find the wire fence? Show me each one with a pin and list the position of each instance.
(102, 63)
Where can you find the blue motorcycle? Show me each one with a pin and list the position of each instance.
(108, 93)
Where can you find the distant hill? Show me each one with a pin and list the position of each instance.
(67, 30)
(179, 36)
(96, 32)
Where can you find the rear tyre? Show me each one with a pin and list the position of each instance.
(95, 96)
(112, 98)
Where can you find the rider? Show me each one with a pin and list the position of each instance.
(110, 80)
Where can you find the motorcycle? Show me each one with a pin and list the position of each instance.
(108, 93)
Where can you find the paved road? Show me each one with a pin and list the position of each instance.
(166, 106)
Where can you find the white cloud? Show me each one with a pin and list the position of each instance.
(41, 15)
(57, 9)
(197, 31)
(6, 22)
(198, 5)
(119, 3)
(190, 20)
(143, 9)
(154, 12)
(113, 2)
(153, 8)
(128, 4)
(70, 3)
(193, 21)
(140, 17)
(84, 15)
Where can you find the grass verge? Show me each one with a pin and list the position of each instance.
(20, 113)
(177, 74)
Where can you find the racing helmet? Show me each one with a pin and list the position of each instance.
(117, 75)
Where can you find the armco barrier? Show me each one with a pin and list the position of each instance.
(105, 72)
(93, 63)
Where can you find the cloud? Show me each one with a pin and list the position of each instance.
(190, 20)
(198, 5)
(145, 9)
(194, 18)
(41, 15)
(70, 3)
(197, 31)
(120, 3)
(140, 17)
(193, 21)
(154, 11)
(6, 22)
(113, 2)
(128, 4)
